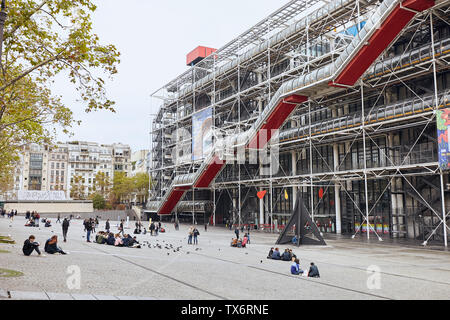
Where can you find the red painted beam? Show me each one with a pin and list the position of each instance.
(418, 5)
(276, 120)
(172, 200)
(379, 41)
(213, 169)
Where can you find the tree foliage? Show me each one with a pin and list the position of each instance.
(102, 184)
(126, 188)
(98, 202)
(43, 39)
(77, 188)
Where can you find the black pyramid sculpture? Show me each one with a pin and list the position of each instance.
(300, 217)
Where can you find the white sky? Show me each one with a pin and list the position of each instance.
(154, 38)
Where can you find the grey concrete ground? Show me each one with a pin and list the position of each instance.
(214, 270)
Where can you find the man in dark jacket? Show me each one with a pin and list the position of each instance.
(152, 228)
(313, 271)
(30, 245)
(65, 228)
(88, 227)
(236, 231)
(107, 226)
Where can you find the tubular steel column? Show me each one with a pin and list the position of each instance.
(363, 120)
(311, 163)
(337, 196)
(239, 132)
(444, 215)
(214, 207)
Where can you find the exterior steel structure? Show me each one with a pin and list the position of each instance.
(352, 86)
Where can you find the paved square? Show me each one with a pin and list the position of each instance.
(214, 270)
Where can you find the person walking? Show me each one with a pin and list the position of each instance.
(65, 228)
(59, 218)
(107, 226)
(88, 227)
(195, 233)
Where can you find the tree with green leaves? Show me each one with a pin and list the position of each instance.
(102, 184)
(141, 183)
(98, 202)
(43, 39)
(122, 186)
(77, 188)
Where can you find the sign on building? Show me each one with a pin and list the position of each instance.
(443, 124)
(27, 195)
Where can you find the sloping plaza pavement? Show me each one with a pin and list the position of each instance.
(214, 270)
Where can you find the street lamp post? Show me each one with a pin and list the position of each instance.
(3, 16)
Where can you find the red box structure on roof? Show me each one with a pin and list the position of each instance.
(198, 54)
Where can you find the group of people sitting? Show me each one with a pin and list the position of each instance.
(116, 240)
(32, 219)
(296, 270)
(238, 243)
(51, 246)
(286, 256)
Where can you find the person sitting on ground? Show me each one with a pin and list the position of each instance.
(292, 254)
(30, 223)
(244, 241)
(313, 271)
(51, 246)
(295, 267)
(276, 255)
(30, 245)
(133, 243)
(101, 237)
(269, 256)
(234, 242)
(239, 243)
(48, 223)
(126, 240)
(118, 241)
(286, 256)
(111, 240)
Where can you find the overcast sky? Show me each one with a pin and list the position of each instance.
(154, 38)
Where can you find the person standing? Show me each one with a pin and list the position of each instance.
(195, 233)
(190, 234)
(59, 219)
(107, 226)
(65, 228)
(152, 228)
(236, 231)
(88, 227)
(121, 228)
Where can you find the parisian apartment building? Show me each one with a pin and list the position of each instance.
(53, 168)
